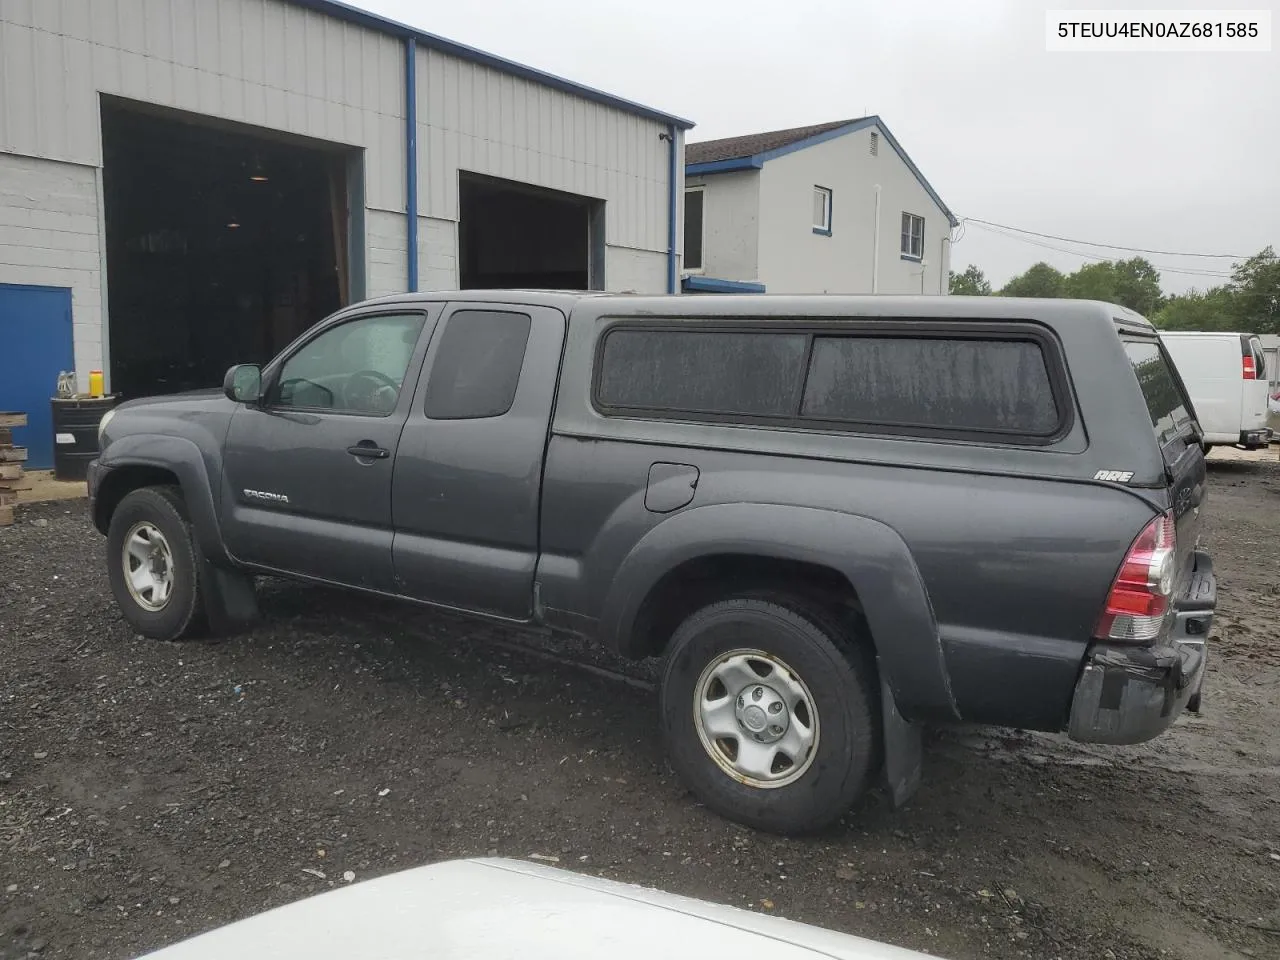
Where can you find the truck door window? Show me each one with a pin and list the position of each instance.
(356, 367)
(477, 366)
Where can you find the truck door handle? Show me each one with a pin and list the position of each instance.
(367, 451)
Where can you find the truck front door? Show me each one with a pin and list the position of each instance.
(468, 474)
(307, 471)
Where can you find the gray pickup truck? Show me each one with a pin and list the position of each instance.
(835, 518)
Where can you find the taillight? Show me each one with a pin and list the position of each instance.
(1250, 371)
(1139, 597)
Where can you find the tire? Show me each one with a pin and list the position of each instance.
(156, 516)
(822, 782)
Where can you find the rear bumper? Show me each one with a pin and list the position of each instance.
(1129, 694)
(1255, 438)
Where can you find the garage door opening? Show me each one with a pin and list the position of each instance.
(222, 245)
(512, 235)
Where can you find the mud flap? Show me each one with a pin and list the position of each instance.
(230, 600)
(903, 749)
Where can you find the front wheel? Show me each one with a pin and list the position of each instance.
(153, 565)
(767, 713)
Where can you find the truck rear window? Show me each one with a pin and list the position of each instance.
(987, 385)
(1166, 405)
(906, 385)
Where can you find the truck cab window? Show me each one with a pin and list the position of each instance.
(477, 366)
(356, 367)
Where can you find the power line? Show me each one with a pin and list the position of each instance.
(1090, 256)
(1108, 246)
(1098, 259)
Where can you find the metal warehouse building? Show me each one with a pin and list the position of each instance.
(185, 184)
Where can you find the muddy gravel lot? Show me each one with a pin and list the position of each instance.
(151, 791)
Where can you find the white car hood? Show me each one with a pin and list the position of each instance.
(491, 909)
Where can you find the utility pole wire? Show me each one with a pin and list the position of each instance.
(1108, 246)
(1095, 257)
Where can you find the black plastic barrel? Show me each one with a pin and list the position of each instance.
(75, 434)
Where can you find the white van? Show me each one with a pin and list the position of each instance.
(1226, 375)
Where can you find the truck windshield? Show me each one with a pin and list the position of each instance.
(1169, 408)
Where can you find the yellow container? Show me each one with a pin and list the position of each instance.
(95, 383)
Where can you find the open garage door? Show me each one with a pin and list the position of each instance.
(223, 244)
(513, 235)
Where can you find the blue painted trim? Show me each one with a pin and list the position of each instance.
(758, 160)
(712, 285)
(344, 11)
(822, 233)
(411, 155)
(723, 166)
(907, 256)
(672, 209)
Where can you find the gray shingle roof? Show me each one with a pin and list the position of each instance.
(730, 148)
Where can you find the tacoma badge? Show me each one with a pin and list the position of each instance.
(264, 495)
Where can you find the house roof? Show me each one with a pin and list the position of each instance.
(730, 148)
(352, 14)
(752, 151)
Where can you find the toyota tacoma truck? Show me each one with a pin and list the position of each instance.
(836, 519)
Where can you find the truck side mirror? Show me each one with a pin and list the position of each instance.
(243, 383)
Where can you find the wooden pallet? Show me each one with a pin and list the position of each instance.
(11, 460)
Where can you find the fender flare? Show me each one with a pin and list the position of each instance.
(181, 457)
(869, 554)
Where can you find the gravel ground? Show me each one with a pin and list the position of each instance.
(152, 791)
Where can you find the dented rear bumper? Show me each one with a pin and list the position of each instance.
(1127, 693)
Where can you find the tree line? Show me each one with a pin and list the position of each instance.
(1248, 302)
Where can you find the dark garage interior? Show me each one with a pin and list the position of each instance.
(511, 235)
(222, 245)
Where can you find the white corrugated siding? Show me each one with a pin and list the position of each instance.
(273, 64)
(49, 237)
(476, 119)
(263, 62)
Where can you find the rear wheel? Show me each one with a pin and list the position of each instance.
(153, 565)
(767, 713)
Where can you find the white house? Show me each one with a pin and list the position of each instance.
(832, 208)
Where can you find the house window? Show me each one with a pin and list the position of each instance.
(693, 229)
(912, 236)
(822, 210)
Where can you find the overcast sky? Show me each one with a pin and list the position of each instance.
(1167, 151)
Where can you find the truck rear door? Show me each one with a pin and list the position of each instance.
(1173, 421)
(467, 484)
